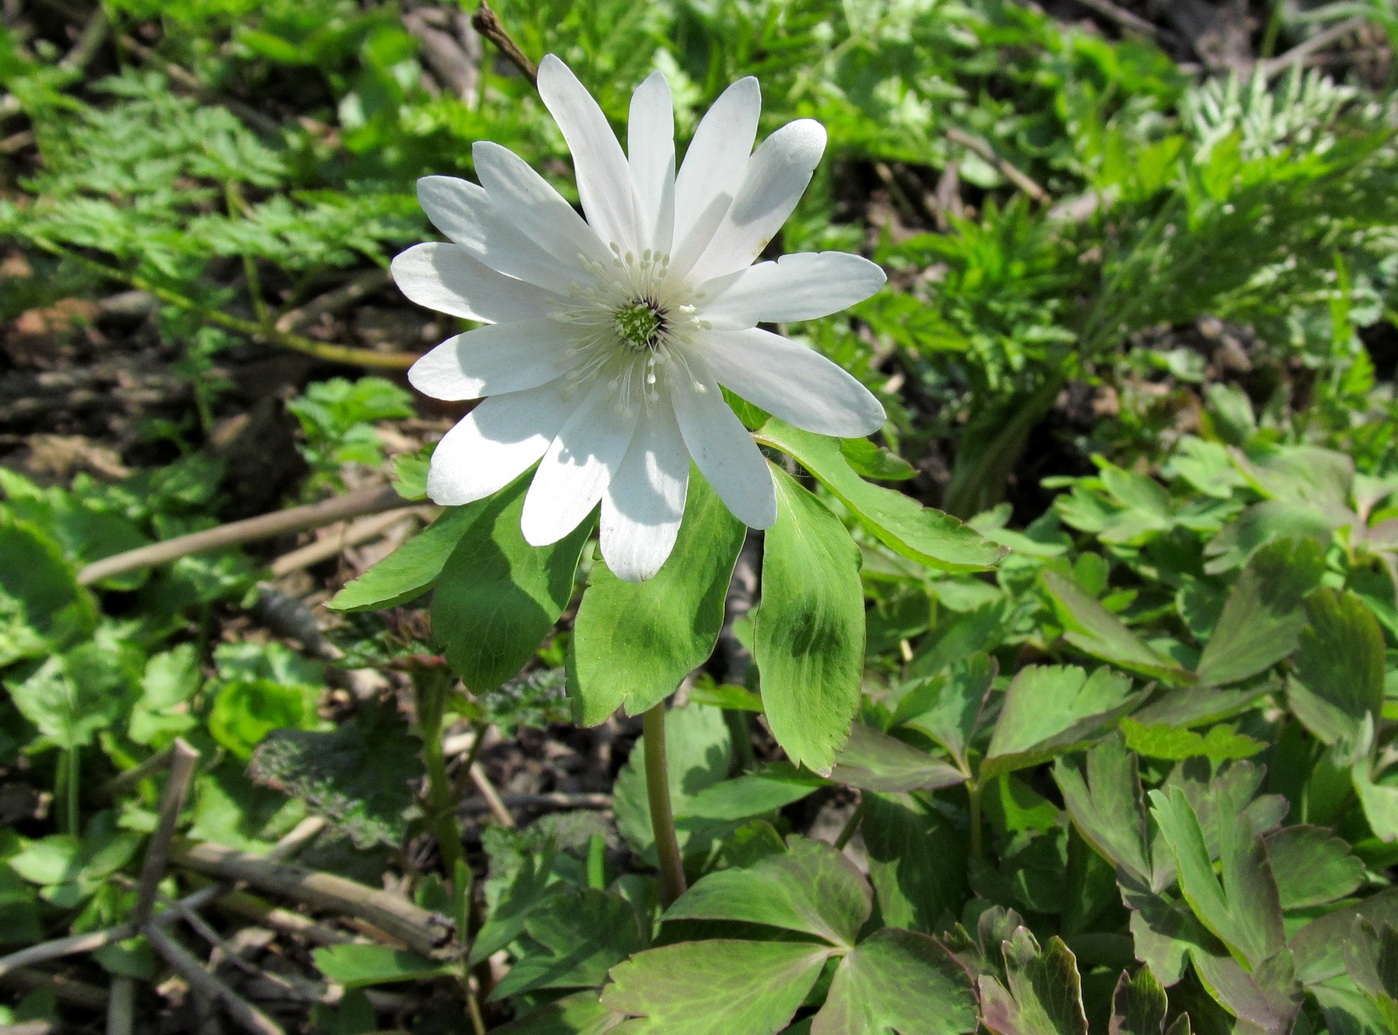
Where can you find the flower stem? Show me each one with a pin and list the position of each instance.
(662, 816)
(431, 689)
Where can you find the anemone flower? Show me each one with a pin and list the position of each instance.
(609, 333)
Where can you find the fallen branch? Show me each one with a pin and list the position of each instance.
(204, 983)
(487, 23)
(183, 759)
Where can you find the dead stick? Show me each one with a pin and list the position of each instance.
(422, 931)
(188, 967)
(1005, 168)
(487, 23)
(183, 759)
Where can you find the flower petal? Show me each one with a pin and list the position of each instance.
(717, 158)
(800, 286)
(578, 466)
(494, 443)
(498, 358)
(650, 146)
(533, 207)
(447, 278)
(604, 181)
(463, 211)
(643, 506)
(776, 176)
(792, 382)
(726, 455)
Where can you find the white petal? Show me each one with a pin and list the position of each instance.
(776, 176)
(578, 466)
(533, 207)
(491, 360)
(650, 146)
(642, 508)
(800, 286)
(726, 455)
(494, 443)
(604, 182)
(792, 382)
(445, 277)
(716, 160)
(463, 211)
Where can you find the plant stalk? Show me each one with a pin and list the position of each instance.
(662, 815)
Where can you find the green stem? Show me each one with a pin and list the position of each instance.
(70, 791)
(319, 349)
(973, 794)
(441, 797)
(851, 825)
(662, 816)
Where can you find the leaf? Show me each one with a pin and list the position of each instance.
(1138, 1005)
(1240, 904)
(1043, 996)
(1106, 806)
(1311, 866)
(1318, 946)
(948, 706)
(751, 794)
(874, 761)
(579, 1014)
(42, 607)
(1339, 667)
(808, 635)
(356, 966)
(899, 980)
(523, 874)
(360, 775)
(1262, 617)
(73, 696)
(1048, 709)
(697, 988)
(1371, 960)
(579, 936)
(871, 461)
(811, 887)
(634, 642)
(246, 710)
(917, 859)
(925, 535)
(1093, 629)
(1267, 996)
(498, 597)
(410, 570)
(1174, 743)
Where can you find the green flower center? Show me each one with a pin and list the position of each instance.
(639, 325)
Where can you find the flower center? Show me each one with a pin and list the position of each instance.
(640, 324)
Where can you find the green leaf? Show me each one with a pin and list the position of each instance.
(1311, 866)
(410, 570)
(578, 936)
(925, 535)
(1240, 904)
(1093, 629)
(1048, 709)
(1339, 667)
(1266, 996)
(1106, 806)
(898, 980)
(359, 775)
(751, 794)
(579, 1014)
(811, 887)
(874, 761)
(1042, 993)
(633, 642)
(808, 637)
(917, 859)
(498, 597)
(1318, 946)
(355, 966)
(871, 461)
(522, 886)
(245, 711)
(1262, 617)
(697, 988)
(947, 706)
(1371, 960)
(1138, 1005)
(1164, 740)
(42, 607)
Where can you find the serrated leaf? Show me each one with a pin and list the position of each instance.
(359, 776)
(927, 536)
(947, 706)
(1048, 709)
(1318, 947)
(1139, 1005)
(356, 966)
(917, 859)
(1096, 631)
(1371, 960)
(874, 761)
(1174, 743)
(413, 568)
(1262, 616)
(697, 988)
(1107, 807)
(580, 935)
(1339, 667)
(1267, 996)
(498, 597)
(1042, 993)
(633, 642)
(1312, 866)
(811, 887)
(902, 981)
(808, 634)
(581, 1013)
(42, 607)
(72, 696)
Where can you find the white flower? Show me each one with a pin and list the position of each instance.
(609, 337)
